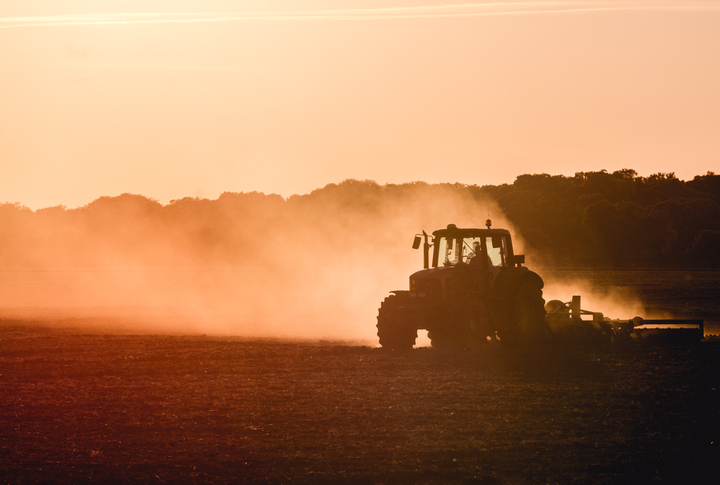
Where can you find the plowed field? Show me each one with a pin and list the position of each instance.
(80, 408)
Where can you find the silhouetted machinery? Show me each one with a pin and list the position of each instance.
(474, 289)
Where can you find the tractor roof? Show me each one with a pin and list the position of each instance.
(453, 231)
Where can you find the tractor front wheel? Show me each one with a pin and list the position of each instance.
(395, 330)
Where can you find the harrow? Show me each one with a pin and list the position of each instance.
(569, 323)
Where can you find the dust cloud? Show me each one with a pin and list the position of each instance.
(314, 266)
(598, 292)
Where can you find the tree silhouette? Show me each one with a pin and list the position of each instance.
(616, 219)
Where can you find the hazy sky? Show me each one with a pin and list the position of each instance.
(193, 98)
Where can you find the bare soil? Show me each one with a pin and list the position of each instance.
(79, 408)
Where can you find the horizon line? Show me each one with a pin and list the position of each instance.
(385, 184)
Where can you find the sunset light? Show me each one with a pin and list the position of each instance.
(359, 241)
(194, 99)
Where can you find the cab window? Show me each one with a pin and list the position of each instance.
(497, 250)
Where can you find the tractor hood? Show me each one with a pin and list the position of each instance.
(437, 283)
(438, 273)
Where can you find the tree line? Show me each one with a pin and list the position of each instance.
(617, 219)
(591, 219)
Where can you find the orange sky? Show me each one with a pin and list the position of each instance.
(187, 98)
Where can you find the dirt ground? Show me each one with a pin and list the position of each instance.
(79, 408)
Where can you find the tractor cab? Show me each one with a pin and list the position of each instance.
(479, 248)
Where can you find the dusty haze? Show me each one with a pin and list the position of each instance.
(248, 264)
(255, 265)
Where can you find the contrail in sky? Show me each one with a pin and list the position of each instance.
(418, 12)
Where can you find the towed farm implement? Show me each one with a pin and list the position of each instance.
(566, 324)
(473, 289)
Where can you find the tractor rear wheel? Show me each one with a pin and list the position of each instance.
(440, 338)
(526, 317)
(466, 326)
(395, 330)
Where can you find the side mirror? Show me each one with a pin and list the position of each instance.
(516, 259)
(416, 242)
(497, 241)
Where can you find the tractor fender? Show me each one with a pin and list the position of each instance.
(506, 283)
(510, 279)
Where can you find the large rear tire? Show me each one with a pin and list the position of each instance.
(440, 338)
(396, 331)
(466, 327)
(526, 315)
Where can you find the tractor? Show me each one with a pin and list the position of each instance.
(473, 290)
